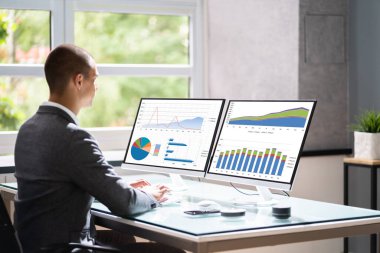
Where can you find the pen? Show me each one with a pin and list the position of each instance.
(196, 212)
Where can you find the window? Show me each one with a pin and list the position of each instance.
(19, 98)
(148, 49)
(133, 38)
(24, 36)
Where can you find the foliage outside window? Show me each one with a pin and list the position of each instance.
(133, 38)
(24, 38)
(110, 38)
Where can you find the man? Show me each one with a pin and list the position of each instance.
(59, 166)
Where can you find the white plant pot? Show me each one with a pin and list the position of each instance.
(367, 145)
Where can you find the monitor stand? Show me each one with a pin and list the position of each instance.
(177, 183)
(177, 187)
(263, 198)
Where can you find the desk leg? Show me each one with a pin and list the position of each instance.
(345, 201)
(373, 204)
(373, 188)
(373, 243)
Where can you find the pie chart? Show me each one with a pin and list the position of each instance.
(141, 148)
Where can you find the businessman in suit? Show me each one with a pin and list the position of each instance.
(60, 168)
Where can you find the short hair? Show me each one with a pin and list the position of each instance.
(64, 62)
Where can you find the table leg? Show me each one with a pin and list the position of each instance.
(345, 201)
(373, 203)
(373, 188)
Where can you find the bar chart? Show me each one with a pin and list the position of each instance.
(261, 140)
(269, 162)
(157, 149)
(174, 147)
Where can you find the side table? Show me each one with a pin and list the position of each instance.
(373, 165)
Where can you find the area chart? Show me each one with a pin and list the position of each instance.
(295, 117)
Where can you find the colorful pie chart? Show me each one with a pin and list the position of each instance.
(141, 148)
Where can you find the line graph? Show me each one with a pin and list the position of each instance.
(175, 122)
(174, 115)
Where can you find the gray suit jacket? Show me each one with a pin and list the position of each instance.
(59, 171)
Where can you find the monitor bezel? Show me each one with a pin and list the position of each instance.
(256, 181)
(174, 170)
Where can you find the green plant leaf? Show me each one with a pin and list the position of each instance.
(368, 122)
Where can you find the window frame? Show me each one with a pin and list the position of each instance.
(62, 31)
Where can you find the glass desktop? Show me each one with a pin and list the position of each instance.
(303, 212)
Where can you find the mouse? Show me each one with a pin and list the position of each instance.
(208, 204)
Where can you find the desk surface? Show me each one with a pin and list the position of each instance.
(303, 212)
(361, 161)
(310, 220)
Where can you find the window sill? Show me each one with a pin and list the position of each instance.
(115, 158)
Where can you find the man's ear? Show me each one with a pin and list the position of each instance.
(78, 80)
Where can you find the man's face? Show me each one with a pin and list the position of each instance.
(89, 87)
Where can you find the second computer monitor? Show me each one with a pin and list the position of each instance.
(260, 142)
(173, 135)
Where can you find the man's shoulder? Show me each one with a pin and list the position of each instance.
(78, 131)
(52, 127)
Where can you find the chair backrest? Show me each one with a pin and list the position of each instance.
(8, 239)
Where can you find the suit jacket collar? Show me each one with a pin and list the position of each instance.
(55, 110)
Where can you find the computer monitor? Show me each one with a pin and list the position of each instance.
(260, 143)
(173, 136)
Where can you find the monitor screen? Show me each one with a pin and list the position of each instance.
(260, 142)
(173, 135)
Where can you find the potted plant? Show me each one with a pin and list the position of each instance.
(367, 136)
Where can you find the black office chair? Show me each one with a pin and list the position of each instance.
(9, 242)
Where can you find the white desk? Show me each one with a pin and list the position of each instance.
(311, 220)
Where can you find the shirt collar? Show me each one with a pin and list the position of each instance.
(64, 108)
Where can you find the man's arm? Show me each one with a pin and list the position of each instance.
(90, 171)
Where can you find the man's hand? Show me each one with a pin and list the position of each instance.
(157, 191)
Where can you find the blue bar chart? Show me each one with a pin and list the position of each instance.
(261, 140)
(268, 162)
(173, 148)
(230, 159)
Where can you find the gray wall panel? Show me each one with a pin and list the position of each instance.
(324, 39)
(323, 71)
(364, 54)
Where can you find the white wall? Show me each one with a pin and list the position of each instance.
(252, 48)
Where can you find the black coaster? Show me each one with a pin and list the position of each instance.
(233, 212)
(281, 211)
